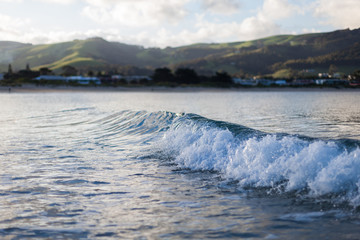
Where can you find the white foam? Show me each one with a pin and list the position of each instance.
(318, 166)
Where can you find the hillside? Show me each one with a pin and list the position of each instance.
(268, 55)
(91, 53)
(262, 56)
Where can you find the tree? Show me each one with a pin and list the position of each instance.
(69, 70)
(222, 79)
(10, 71)
(186, 76)
(99, 74)
(90, 73)
(356, 75)
(45, 71)
(163, 75)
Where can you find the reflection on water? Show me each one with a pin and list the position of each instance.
(67, 171)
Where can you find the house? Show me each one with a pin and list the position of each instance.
(336, 75)
(50, 78)
(245, 82)
(281, 82)
(266, 82)
(331, 81)
(74, 79)
(323, 75)
(116, 77)
(354, 83)
(83, 80)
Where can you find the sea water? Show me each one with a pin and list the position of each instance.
(198, 165)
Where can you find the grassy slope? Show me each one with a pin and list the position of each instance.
(79, 53)
(7, 49)
(267, 55)
(258, 56)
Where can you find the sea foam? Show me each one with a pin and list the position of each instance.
(284, 163)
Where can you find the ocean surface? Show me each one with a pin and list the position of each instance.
(196, 165)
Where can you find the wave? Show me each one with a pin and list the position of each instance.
(136, 123)
(280, 163)
(131, 129)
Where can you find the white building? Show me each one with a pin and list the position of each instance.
(83, 80)
(281, 82)
(323, 75)
(331, 81)
(116, 77)
(245, 82)
(51, 78)
(75, 79)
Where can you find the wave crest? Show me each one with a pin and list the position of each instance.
(280, 162)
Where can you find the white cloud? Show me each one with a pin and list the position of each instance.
(255, 27)
(172, 23)
(139, 13)
(136, 12)
(340, 14)
(11, 27)
(58, 1)
(45, 1)
(312, 30)
(103, 3)
(262, 24)
(22, 30)
(277, 9)
(206, 31)
(221, 6)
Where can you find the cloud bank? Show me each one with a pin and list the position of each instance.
(164, 23)
(136, 13)
(340, 14)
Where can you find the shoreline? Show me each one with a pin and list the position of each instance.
(50, 89)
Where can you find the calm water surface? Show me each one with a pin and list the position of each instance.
(110, 165)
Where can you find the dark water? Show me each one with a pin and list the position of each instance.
(257, 165)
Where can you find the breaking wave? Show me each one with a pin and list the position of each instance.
(279, 163)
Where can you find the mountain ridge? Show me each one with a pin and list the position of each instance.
(259, 56)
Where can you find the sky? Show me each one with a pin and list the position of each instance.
(163, 23)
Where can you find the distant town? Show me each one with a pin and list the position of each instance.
(166, 77)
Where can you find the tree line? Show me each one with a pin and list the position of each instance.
(160, 77)
(188, 76)
(163, 76)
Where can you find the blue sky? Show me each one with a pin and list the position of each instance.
(162, 23)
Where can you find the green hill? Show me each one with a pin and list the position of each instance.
(83, 54)
(268, 55)
(7, 50)
(262, 56)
